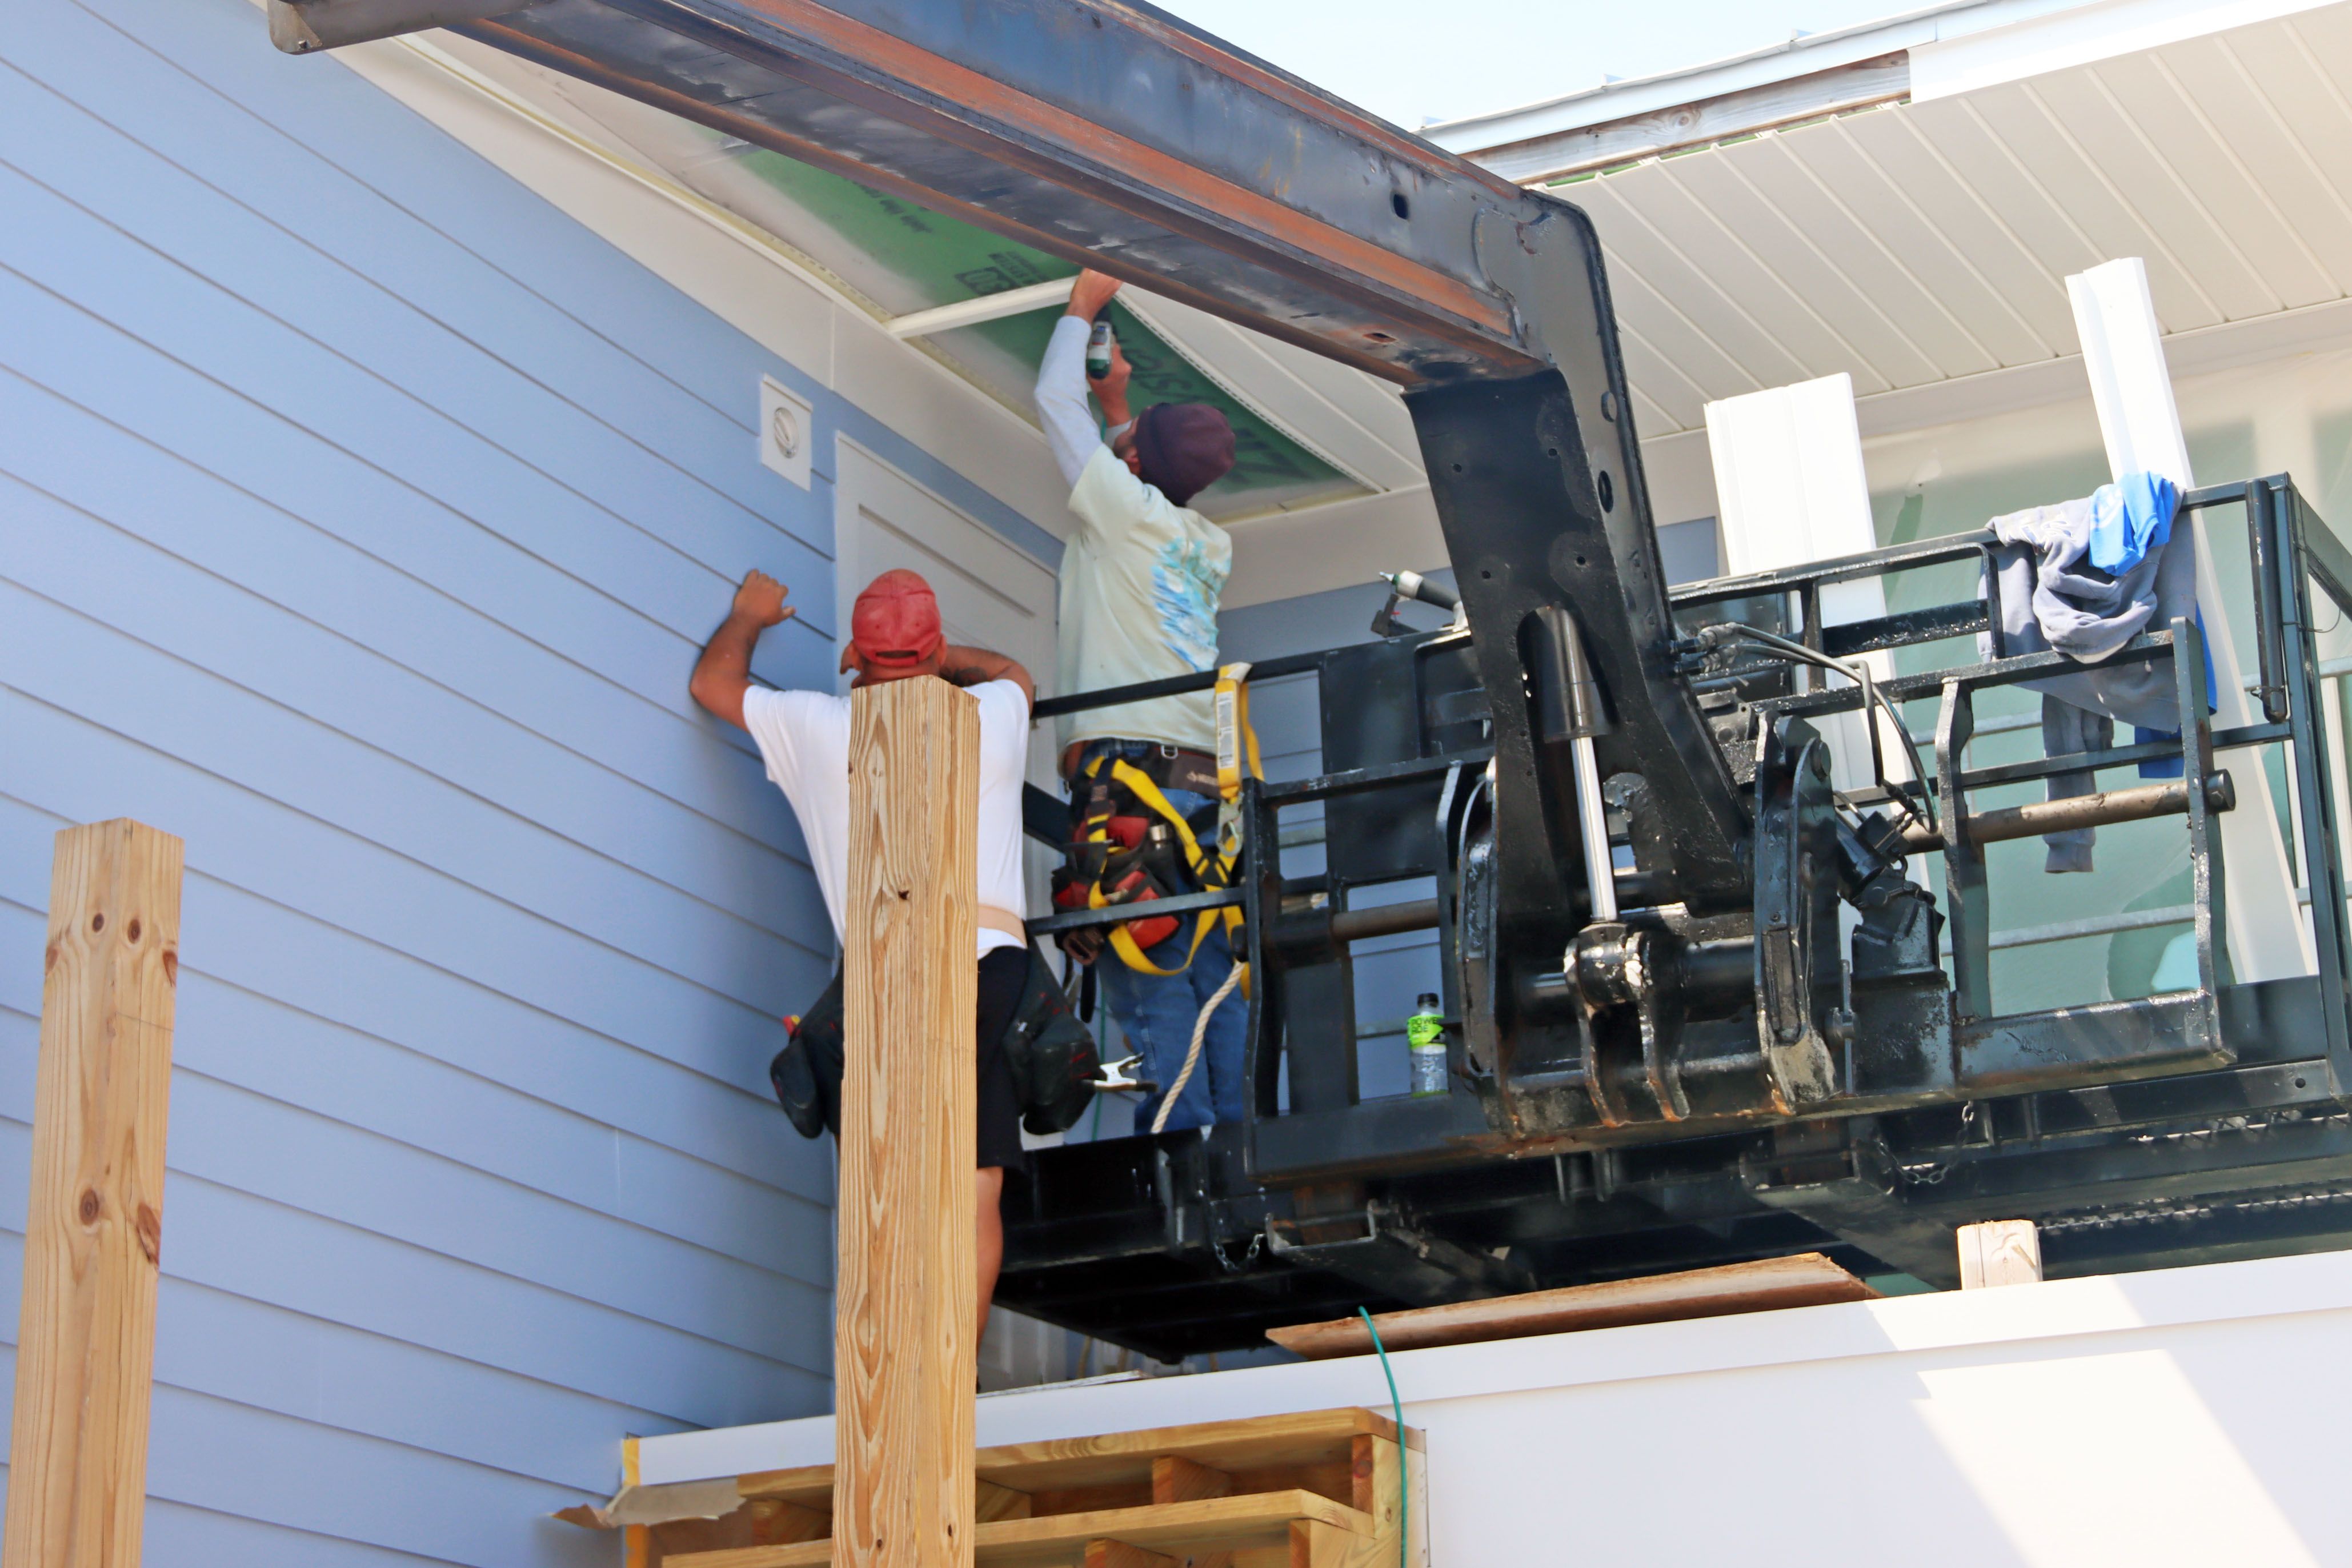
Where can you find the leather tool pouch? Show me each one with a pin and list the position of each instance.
(1051, 1055)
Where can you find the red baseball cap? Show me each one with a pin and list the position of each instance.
(896, 620)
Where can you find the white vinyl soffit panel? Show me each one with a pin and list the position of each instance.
(1923, 249)
(2080, 36)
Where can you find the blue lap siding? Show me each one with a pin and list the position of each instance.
(360, 515)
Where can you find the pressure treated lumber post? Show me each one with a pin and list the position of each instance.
(904, 1354)
(94, 1223)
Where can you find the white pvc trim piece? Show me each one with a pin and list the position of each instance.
(2017, 1316)
(2123, 353)
(1790, 490)
(1052, 294)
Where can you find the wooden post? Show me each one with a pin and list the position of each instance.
(1999, 1252)
(904, 1356)
(94, 1224)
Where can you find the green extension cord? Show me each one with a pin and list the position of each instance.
(1404, 1460)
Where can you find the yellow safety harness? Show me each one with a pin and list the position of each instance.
(1214, 865)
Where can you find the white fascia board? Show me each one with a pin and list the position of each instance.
(1673, 89)
(2018, 1324)
(1996, 45)
(1955, 47)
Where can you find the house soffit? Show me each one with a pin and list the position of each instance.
(1915, 244)
(1310, 433)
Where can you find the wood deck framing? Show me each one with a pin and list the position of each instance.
(1313, 1490)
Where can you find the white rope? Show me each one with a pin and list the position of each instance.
(1193, 1057)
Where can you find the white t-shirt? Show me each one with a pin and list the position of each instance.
(1141, 578)
(803, 737)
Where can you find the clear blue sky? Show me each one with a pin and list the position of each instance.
(1415, 60)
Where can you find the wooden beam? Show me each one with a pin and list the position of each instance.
(1807, 1279)
(762, 1521)
(1999, 1252)
(904, 1346)
(637, 1546)
(1175, 1478)
(1119, 1555)
(992, 1503)
(1250, 1521)
(1314, 1544)
(94, 1221)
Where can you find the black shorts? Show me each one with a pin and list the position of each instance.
(1002, 973)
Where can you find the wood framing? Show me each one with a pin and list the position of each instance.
(1807, 1279)
(904, 1342)
(1315, 1489)
(94, 1219)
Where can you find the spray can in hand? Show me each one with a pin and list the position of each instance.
(1424, 1037)
(1098, 350)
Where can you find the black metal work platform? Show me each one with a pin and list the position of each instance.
(2233, 1141)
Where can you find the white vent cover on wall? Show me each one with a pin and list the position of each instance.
(787, 430)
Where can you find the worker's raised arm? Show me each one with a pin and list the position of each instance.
(1061, 386)
(723, 674)
(963, 666)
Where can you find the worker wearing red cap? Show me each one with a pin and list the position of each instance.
(1142, 581)
(804, 738)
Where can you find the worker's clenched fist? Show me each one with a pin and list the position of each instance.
(761, 599)
(1091, 292)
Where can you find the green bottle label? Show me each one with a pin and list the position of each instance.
(1424, 1029)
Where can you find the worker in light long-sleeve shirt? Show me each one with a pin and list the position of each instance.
(1140, 583)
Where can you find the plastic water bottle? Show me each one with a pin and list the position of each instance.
(1424, 1036)
(1098, 350)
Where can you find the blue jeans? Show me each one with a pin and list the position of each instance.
(1157, 1012)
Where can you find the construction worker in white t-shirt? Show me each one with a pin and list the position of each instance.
(804, 738)
(1140, 583)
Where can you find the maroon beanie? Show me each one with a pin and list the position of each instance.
(1185, 447)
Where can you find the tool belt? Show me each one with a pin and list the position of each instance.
(1050, 1054)
(1129, 845)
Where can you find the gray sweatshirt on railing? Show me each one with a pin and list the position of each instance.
(2052, 599)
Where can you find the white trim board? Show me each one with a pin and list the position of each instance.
(1791, 490)
(2008, 1321)
(2132, 390)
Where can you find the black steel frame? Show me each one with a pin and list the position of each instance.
(2202, 1125)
